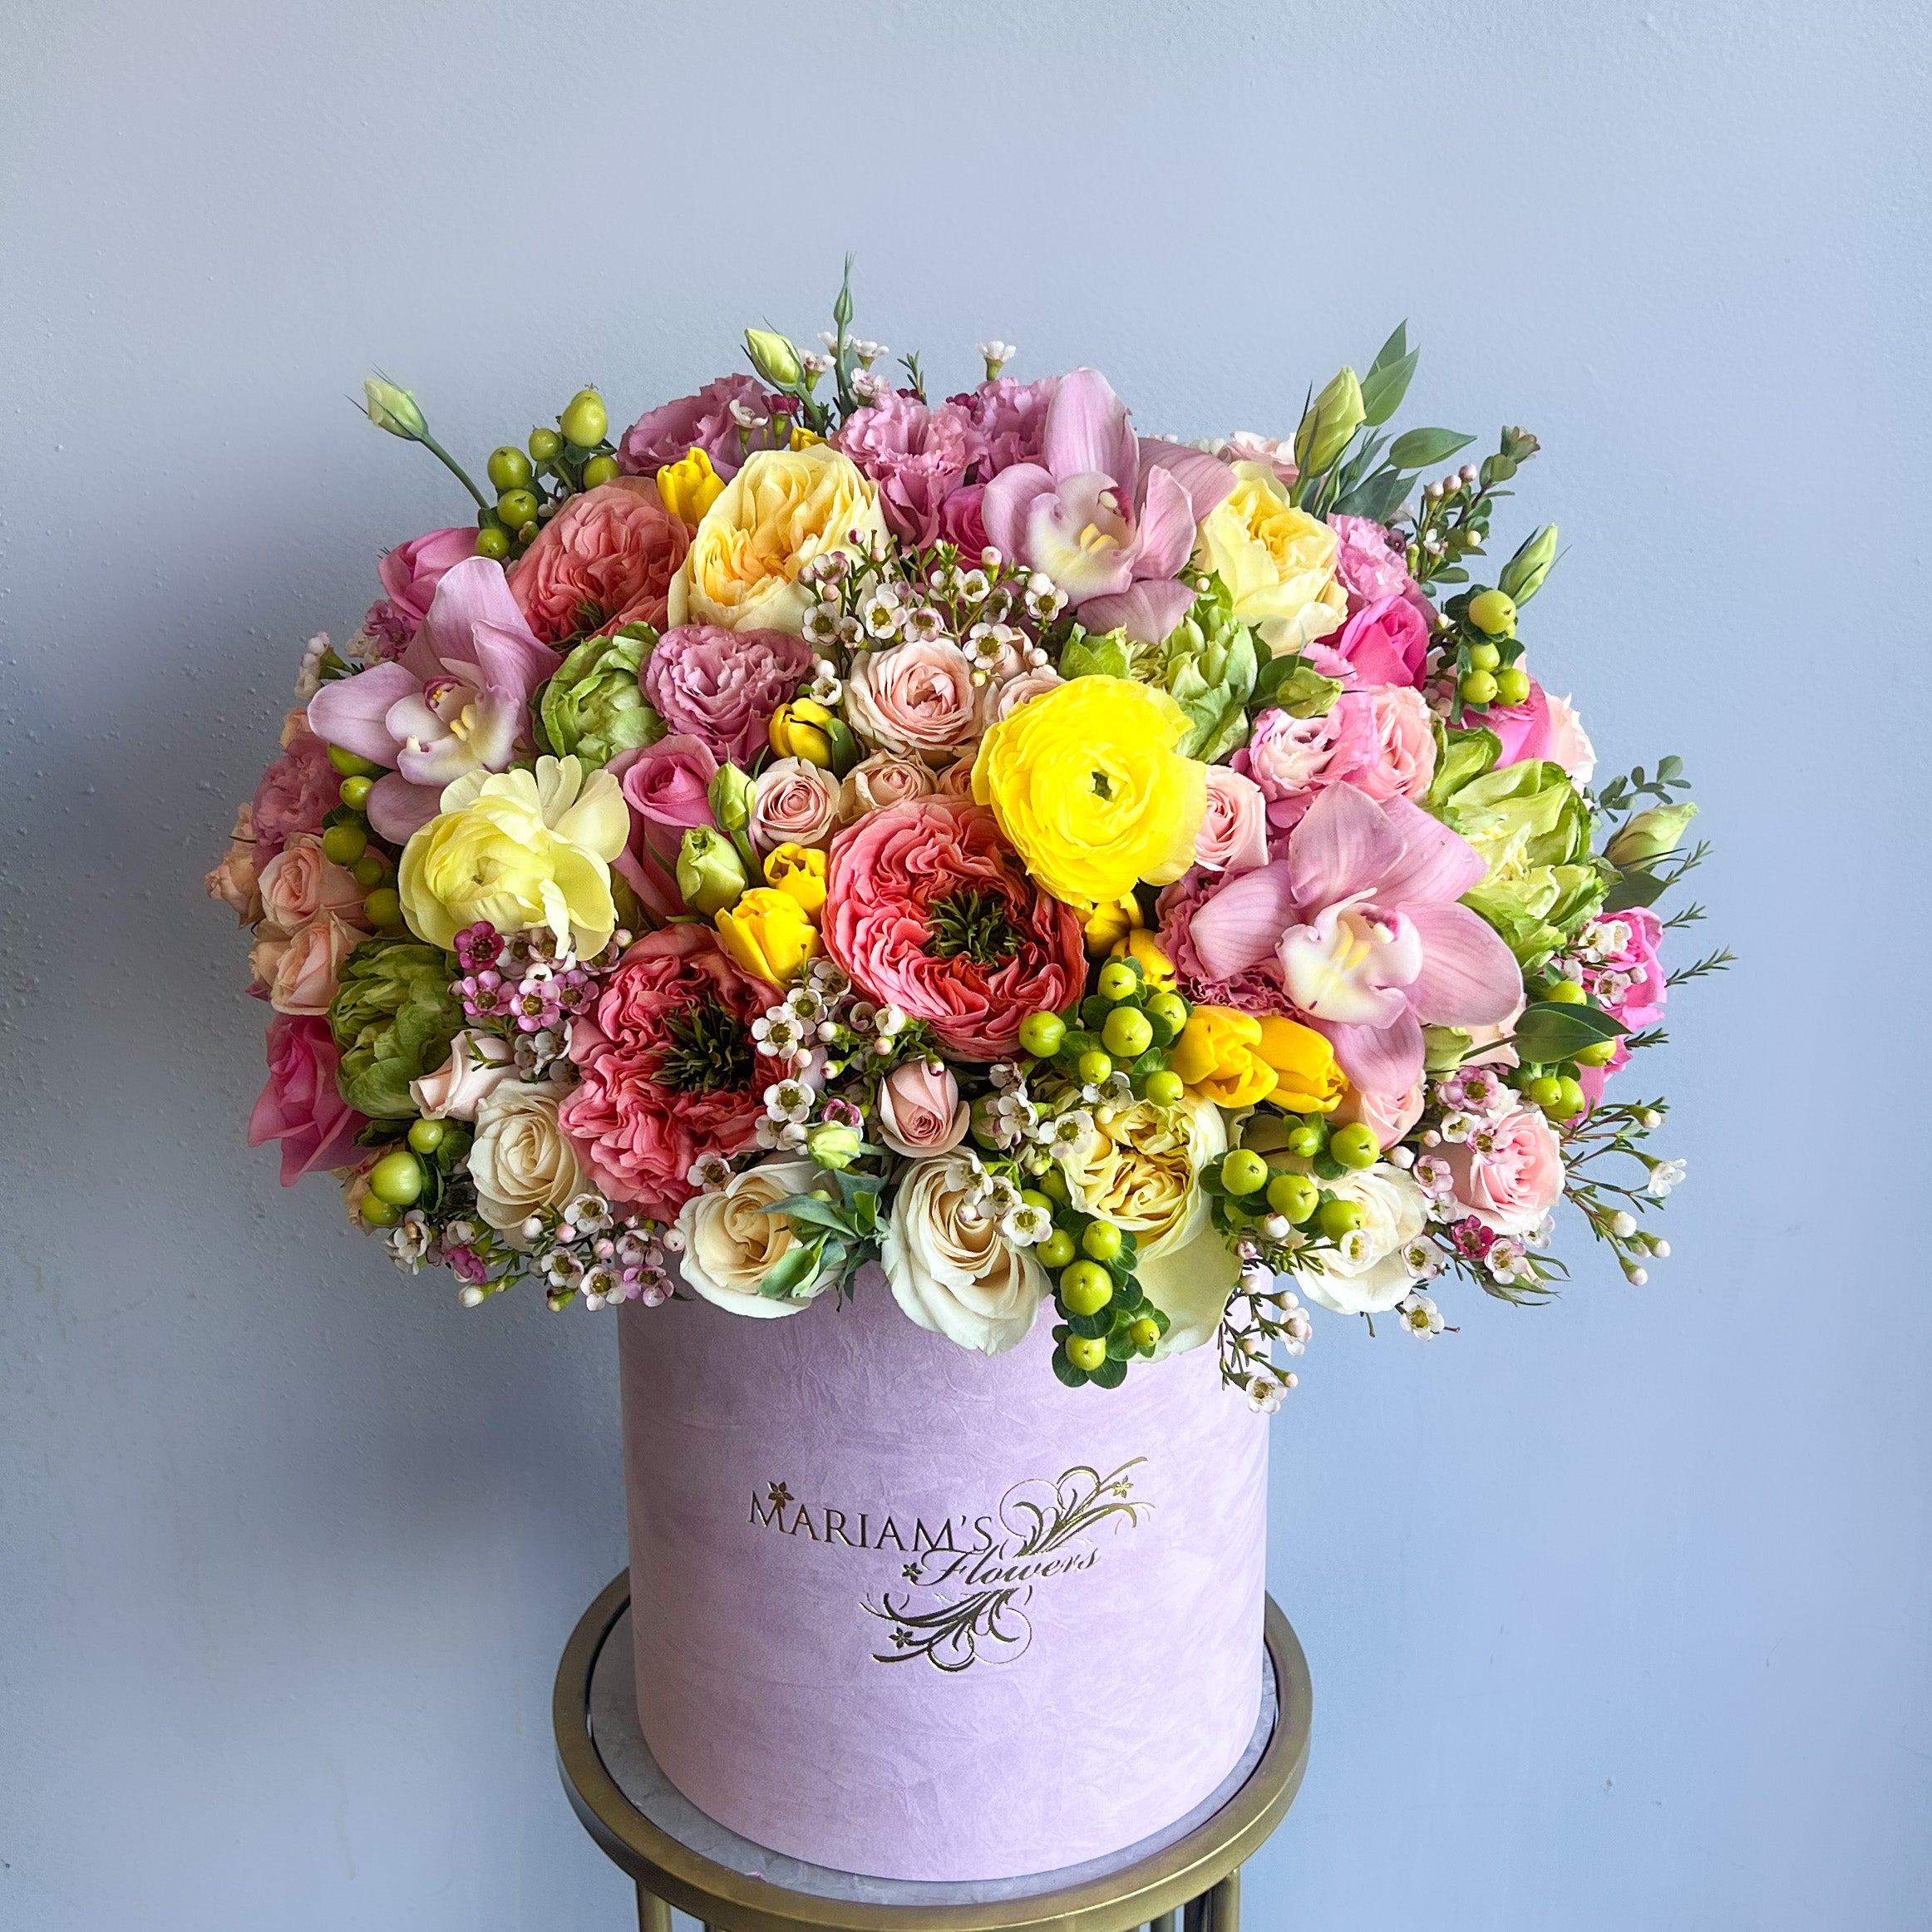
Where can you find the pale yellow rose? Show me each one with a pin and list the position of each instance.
(1140, 1169)
(784, 508)
(730, 1241)
(521, 1161)
(1278, 562)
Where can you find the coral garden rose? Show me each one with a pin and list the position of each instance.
(920, 1109)
(950, 1268)
(605, 560)
(668, 1069)
(667, 434)
(917, 456)
(1234, 828)
(783, 510)
(296, 792)
(914, 697)
(300, 1107)
(793, 803)
(885, 778)
(930, 910)
(1508, 1172)
(521, 1160)
(733, 1240)
(723, 685)
(1088, 788)
(1277, 562)
(1368, 1276)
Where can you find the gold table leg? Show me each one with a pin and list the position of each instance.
(653, 1914)
(1224, 1904)
(1167, 1922)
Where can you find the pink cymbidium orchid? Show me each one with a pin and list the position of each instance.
(458, 700)
(1108, 515)
(1361, 914)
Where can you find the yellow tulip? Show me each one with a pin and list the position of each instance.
(689, 488)
(1140, 946)
(1306, 1079)
(1218, 1058)
(802, 729)
(767, 934)
(1109, 923)
(798, 870)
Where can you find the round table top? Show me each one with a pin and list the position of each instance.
(665, 1843)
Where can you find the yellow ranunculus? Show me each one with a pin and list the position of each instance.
(1278, 562)
(767, 934)
(784, 508)
(1306, 1080)
(1089, 789)
(1140, 946)
(518, 849)
(1141, 1169)
(801, 871)
(689, 488)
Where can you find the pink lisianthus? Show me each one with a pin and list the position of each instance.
(670, 1073)
(1405, 744)
(300, 1107)
(668, 787)
(1383, 644)
(723, 685)
(1011, 419)
(1370, 564)
(605, 560)
(930, 911)
(458, 700)
(1508, 1172)
(1234, 830)
(296, 792)
(704, 421)
(918, 456)
(919, 1110)
(1361, 914)
(794, 803)
(914, 697)
(410, 575)
(1293, 760)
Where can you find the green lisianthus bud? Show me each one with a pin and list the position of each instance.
(593, 708)
(833, 1147)
(711, 876)
(1332, 417)
(393, 409)
(732, 795)
(393, 1018)
(773, 357)
(1650, 835)
(1523, 575)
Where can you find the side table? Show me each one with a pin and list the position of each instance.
(1188, 1876)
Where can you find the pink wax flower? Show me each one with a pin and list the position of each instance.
(920, 1111)
(410, 575)
(1383, 644)
(794, 803)
(1011, 418)
(918, 456)
(300, 1107)
(668, 787)
(670, 1073)
(605, 560)
(1370, 564)
(670, 432)
(915, 696)
(1108, 515)
(723, 685)
(1509, 1173)
(1362, 916)
(295, 792)
(458, 702)
(930, 911)
(1234, 830)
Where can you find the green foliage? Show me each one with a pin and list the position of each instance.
(394, 1016)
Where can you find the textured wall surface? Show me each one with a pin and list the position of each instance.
(1617, 1611)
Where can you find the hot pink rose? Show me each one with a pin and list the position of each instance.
(1630, 983)
(604, 561)
(918, 456)
(962, 524)
(300, 969)
(669, 1072)
(410, 575)
(294, 793)
(298, 882)
(1371, 564)
(300, 1107)
(1404, 760)
(1388, 1116)
(1233, 831)
(885, 778)
(670, 432)
(912, 697)
(928, 910)
(1541, 727)
(795, 803)
(1509, 1173)
(668, 787)
(920, 1110)
(723, 685)
(1383, 644)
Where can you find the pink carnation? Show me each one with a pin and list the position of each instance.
(605, 560)
(704, 421)
(1509, 1173)
(294, 793)
(300, 1107)
(723, 685)
(904, 884)
(1261, 988)
(1011, 419)
(918, 456)
(669, 1072)
(1370, 563)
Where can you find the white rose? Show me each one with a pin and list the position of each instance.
(1372, 1278)
(521, 1161)
(730, 1241)
(952, 1271)
(478, 1064)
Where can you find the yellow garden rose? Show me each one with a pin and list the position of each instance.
(1236, 1061)
(1278, 562)
(1140, 1168)
(801, 871)
(767, 934)
(784, 508)
(1089, 789)
(518, 849)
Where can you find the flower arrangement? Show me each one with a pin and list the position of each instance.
(818, 827)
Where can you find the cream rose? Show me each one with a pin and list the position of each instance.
(951, 1269)
(1368, 1276)
(784, 508)
(730, 1241)
(479, 1063)
(521, 1161)
(1140, 1169)
(885, 778)
(914, 697)
(1278, 562)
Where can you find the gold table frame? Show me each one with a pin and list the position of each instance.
(1195, 1881)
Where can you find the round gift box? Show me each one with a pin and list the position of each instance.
(903, 1610)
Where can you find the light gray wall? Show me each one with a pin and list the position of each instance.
(1617, 1610)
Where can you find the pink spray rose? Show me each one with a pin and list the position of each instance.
(1388, 1116)
(1233, 831)
(1508, 1172)
(920, 1110)
(1371, 564)
(300, 1106)
(233, 881)
(300, 969)
(295, 792)
(410, 573)
(478, 1064)
(918, 456)
(961, 523)
(794, 803)
(1404, 760)
(298, 883)
(605, 560)
(723, 685)
(670, 432)
(914, 697)
(667, 788)
(885, 778)
(930, 911)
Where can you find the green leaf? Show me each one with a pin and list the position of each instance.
(1548, 1032)
(1378, 498)
(1422, 449)
(1384, 387)
(1073, 1377)
(1393, 350)
(1092, 1327)
(1110, 1374)
(1635, 890)
(819, 1214)
(797, 1268)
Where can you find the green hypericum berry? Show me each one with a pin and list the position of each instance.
(492, 541)
(1295, 1197)
(1307, 1140)
(1086, 1288)
(382, 908)
(585, 420)
(1598, 1053)
(1493, 612)
(426, 1137)
(509, 468)
(1165, 1087)
(546, 444)
(1338, 1217)
(1546, 1091)
(1563, 993)
(1355, 1145)
(1476, 687)
(343, 845)
(1056, 1250)
(1101, 1241)
(1128, 1033)
(1484, 657)
(599, 470)
(1095, 1067)
(1144, 1332)
(1574, 1099)
(1086, 1351)
(1118, 980)
(354, 792)
(1041, 1034)
(517, 507)
(1244, 1172)
(1512, 686)
(396, 1178)
(350, 766)
(371, 869)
